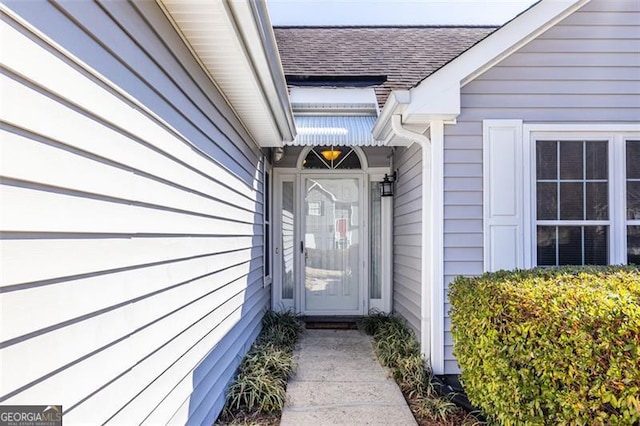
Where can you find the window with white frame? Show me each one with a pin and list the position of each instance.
(267, 225)
(576, 203)
(315, 208)
(632, 154)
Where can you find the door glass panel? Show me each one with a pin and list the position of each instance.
(331, 244)
(287, 242)
(375, 279)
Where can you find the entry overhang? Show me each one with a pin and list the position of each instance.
(336, 130)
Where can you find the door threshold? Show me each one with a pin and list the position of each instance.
(331, 322)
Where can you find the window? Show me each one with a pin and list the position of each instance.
(375, 236)
(633, 200)
(287, 220)
(578, 207)
(572, 202)
(315, 208)
(332, 158)
(267, 227)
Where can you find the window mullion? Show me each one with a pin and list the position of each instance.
(557, 246)
(582, 258)
(557, 181)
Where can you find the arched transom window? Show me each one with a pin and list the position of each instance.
(332, 158)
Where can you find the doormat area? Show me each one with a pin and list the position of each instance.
(320, 325)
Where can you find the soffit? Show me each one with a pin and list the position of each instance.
(212, 32)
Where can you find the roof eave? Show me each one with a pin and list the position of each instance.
(252, 18)
(437, 97)
(250, 76)
(398, 104)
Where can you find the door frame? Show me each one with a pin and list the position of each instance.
(297, 175)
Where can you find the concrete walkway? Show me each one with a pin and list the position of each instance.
(340, 382)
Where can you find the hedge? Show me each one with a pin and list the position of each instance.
(550, 346)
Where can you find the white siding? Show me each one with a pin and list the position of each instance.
(131, 219)
(407, 230)
(585, 69)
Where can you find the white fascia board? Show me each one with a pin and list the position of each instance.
(333, 95)
(447, 81)
(231, 42)
(254, 25)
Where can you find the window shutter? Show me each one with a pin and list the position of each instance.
(502, 194)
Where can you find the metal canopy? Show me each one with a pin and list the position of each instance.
(336, 130)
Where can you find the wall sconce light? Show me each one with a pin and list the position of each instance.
(278, 153)
(386, 186)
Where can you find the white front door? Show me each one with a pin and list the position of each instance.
(332, 236)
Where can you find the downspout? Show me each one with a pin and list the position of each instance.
(425, 305)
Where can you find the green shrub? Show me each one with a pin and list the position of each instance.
(260, 385)
(394, 341)
(372, 322)
(437, 409)
(257, 390)
(280, 329)
(269, 358)
(413, 377)
(550, 346)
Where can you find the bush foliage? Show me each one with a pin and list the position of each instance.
(398, 349)
(262, 376)
(550, 346)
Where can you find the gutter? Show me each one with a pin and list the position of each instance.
(427, 230)
(396, 104)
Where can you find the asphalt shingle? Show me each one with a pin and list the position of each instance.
(405, 55)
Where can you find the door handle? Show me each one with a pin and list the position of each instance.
(303, 250)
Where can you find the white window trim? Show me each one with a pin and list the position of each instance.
(617, 135)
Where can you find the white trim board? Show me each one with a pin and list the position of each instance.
(437, 97)
(502, 191)
(444, 84)
(437, 249)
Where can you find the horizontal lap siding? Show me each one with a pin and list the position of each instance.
(585, 69)
(131, 216)
(407, 228)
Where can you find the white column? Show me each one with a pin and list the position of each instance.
(386, 263)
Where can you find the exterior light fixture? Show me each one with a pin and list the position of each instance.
(386, 186)
(331, 154)
(278, 153)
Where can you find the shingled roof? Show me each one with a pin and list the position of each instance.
(404, 55)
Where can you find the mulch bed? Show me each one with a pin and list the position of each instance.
(249, 418)
(459, 419)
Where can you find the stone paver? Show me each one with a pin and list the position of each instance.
(340, 382)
